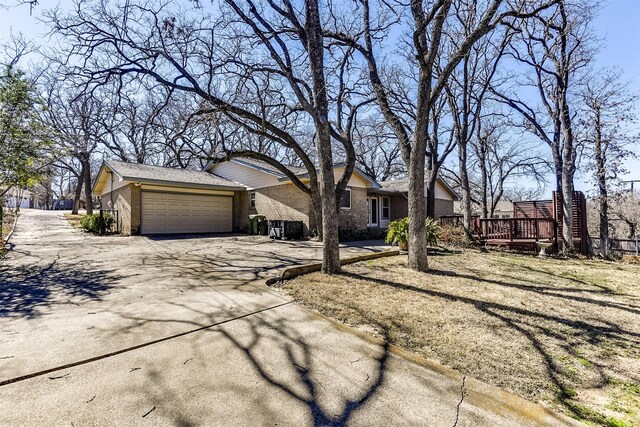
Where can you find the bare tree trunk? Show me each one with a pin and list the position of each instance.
(417, 214)
(431, 179)
(327, 186)
(603, 200)
(78, 192)
(466, 189)
(88, 190)
(316, 202)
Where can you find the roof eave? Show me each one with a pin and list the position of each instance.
(184, 184)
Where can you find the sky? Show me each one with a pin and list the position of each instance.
(618, 24)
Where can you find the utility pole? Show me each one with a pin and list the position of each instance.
(631, 181)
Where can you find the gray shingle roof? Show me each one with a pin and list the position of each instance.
(136, 171)
(396, 186)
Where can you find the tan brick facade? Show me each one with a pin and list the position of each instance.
(358, 215)
(286, 202)
(126, 200)
(241, 212)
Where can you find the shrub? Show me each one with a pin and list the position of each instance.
(454, 236)
(356, 234)
(432, 229)
(94, 222)
(398, 232)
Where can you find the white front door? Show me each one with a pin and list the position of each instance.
(373, 212)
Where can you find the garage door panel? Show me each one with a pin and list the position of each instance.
(164, 213)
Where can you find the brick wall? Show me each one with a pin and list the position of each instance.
(121, 199)
(399, 207)
(136, 209)
(358, 215)
(241, 212)
(285, 202)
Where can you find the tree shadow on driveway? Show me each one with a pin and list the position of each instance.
(25, 291)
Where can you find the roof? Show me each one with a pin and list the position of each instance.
(402, 186)
(266, 167)
(299, 171)
(165, 175)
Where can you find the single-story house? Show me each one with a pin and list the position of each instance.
(17, 197)
(159, 200)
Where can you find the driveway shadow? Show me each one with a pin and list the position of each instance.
(26, 291)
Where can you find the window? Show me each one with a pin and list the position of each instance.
(345, 203)
(252, 199)
(386, 208)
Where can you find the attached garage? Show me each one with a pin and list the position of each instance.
(174, 213)
(160, 200)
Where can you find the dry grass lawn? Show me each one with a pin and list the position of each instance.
(564, 333)
(74, 220)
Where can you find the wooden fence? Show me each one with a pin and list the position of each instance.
(624, 246)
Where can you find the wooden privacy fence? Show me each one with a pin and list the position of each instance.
(624, 246)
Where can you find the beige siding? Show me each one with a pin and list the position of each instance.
(244, 175)
(443, 207)
(442, 192)
(172, 189)
(117, 183)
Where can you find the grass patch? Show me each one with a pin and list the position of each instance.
(561, 332)
(74, 220)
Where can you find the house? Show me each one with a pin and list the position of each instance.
(17, 197)
(158, 200)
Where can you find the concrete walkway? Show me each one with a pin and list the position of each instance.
(182, 331)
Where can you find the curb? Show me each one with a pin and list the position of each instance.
(292, 272)
(13, 229)
(477, 392)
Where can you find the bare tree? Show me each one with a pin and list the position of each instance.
(466, 92)
(75, 118)
(377, 153)
(608, 112)
(425, 25)
(555, 46)
(273, 54)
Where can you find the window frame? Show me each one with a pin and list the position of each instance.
(346, 208)
(388, 208)
(252, 199)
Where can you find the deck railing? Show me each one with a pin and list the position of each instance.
(518, 229)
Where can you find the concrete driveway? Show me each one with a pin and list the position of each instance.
(183, 331)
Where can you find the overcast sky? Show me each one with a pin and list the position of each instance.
(618, 25)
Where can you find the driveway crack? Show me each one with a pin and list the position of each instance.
(463, 392)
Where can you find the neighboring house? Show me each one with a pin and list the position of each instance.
(157, 200)
(504, 209)
(17, 197)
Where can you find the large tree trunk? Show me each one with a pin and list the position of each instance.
(327, 186)
(88, 190)
(316, 203)
(567, 212)
(417, 214)
(78, 193)
(603, 201)
(466, 191)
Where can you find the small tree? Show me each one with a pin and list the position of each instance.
(22, 141)
(608, 114)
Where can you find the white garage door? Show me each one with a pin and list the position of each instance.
(165, 213)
